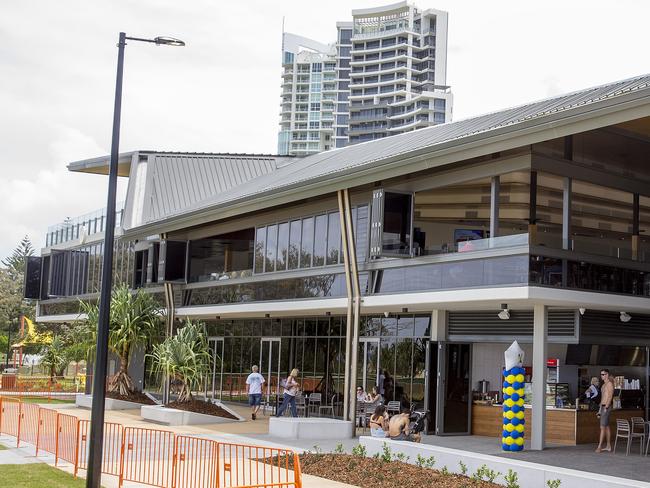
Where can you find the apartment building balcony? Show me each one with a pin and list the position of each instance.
(381, 33)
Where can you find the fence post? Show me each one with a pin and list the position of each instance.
(76, 451)
(56, 439)
(20, 415)
(39, 421)
(2, 407)
(174, 461)
(121, 476)
(297, 472)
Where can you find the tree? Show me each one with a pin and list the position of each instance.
(55, 358)
(17, 261)
(184, 358)
(133, 322)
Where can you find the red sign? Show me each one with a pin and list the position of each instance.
(552, 362)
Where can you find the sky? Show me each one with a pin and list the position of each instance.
(221, 92)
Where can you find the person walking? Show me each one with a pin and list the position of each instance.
(254, 384)
(606, 400)
(291, 388)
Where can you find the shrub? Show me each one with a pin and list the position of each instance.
(512, 479)
(359, 450)
(386, 454)
(553, 483)
(339, 449)
(463, 467)
(444, 471)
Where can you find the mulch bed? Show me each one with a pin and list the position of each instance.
(373, 473)
(136, 396)
(198, 406)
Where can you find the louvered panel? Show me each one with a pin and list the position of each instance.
(599, 327)
(561, 323)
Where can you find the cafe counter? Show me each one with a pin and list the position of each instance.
(563, 425)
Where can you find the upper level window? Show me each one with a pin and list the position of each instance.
(316, 67)
(391, 223)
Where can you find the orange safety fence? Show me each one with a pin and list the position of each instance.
(47, 431)
(148, 456)
(112, 452)
(256, 466)
(151, 456)
(196, 462)
(10, 416)
(28, 423)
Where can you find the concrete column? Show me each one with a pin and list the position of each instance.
(438, 325)
(532, 209)
(495, 186)
(540, 333)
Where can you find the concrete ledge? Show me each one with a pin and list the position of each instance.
(160, 414)
(531, 475)
(309, 428)
(86, 401)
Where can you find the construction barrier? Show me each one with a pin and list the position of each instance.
(40, 386)
(150, 456)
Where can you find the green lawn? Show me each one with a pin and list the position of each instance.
(37, 476)
(2, 448)
(53, 401)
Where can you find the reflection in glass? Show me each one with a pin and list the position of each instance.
(320, 240)
(294, 244)
(307, 246)
(260, 249)
(333, 238)
(283, 243)
(271, 247)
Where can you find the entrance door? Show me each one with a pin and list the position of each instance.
(369, 374)
(270, 367)
(454, 405)
(214, 382)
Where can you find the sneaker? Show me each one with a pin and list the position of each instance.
(253, 416)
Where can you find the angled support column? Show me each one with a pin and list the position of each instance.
(169, 328)
(532, 209)
(540, 334)
(349, 322)
(635, 227)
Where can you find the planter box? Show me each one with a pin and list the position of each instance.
(310, 428)
(86, 401)
(160, 414)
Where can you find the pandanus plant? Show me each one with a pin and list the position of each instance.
(184, 358)
(134, 320)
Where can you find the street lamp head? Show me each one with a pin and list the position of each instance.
(168, 41)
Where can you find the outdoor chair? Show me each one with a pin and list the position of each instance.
(301, 406)
(393, 407)
(361, 415)
(325, 408)
(638, 427)
(314, 403)
(623, 431)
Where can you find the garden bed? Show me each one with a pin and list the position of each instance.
(134, 397)
(379, 472)
(206, 408)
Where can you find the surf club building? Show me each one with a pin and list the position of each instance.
(408, 263)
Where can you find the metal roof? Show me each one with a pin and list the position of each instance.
(179, 181)
(349, 162)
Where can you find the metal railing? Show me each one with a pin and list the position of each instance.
(150, 456)
(40, 386)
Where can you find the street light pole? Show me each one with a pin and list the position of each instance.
(95, 449)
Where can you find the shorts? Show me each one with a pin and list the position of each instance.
(404, 437)
(255, 399)
(604, 416)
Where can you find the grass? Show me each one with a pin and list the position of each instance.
(3, 447)
(37, 476)
(53, 401)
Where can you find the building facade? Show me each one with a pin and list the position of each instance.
(386, 74)
(409, 263)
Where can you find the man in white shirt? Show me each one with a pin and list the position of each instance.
(254, 389)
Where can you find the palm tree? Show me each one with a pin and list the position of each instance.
(54, 358)
(184, 358)
(134, 320)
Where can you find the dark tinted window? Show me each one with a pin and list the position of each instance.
(397, 223)
(294, 244)
(307, 247)
(283, 243)
(320, 240)
(333, 238)
(271, 247)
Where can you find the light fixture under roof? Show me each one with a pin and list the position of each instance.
(504, 314)
(625, 317)
(582, 310)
